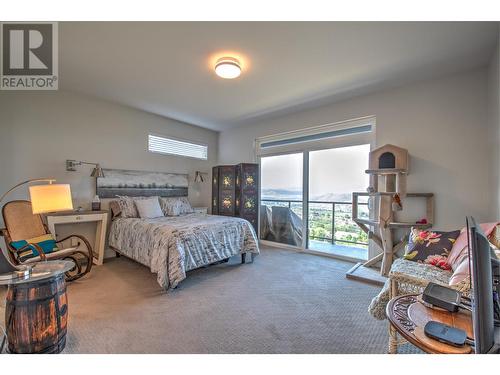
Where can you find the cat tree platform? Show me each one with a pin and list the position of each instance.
(388, 165)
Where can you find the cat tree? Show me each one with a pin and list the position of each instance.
(388, 168)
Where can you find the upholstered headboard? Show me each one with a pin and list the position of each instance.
(141, 184)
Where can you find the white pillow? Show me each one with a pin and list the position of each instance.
(148, 208)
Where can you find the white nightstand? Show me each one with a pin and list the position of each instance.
(72, 217)
(200, 210)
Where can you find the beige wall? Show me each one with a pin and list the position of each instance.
(442, 122)
(40, 130)
(494, 119)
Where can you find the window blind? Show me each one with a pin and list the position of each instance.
(319, 136)
(177, 147)
(345, 133)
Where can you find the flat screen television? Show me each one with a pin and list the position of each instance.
(483, 264)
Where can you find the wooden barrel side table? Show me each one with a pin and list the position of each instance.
(36, 311)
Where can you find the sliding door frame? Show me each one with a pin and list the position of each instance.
(278, 244)
(303, 248)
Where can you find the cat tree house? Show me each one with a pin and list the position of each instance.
(388, 168)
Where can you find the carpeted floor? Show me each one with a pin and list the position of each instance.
(285, 302)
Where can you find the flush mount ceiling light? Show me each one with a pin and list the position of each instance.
(227, 67)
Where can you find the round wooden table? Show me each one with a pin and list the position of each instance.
(407, 317)
(36, 309)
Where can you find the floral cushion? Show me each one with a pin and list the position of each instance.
(175, 206)
(429, 247)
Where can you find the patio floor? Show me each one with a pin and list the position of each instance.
(347, 251)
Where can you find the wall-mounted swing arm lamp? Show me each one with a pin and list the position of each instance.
(200, 176)
(96, 172)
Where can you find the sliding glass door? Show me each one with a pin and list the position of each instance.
(333, 175)
(307, 180)
(281, 199)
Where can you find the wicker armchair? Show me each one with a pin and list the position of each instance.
(21, 224)
(407, 277)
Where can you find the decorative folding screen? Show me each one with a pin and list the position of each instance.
(235, 191)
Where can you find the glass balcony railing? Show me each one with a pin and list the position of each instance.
(329, 222)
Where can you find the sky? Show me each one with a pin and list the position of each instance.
(337, 170)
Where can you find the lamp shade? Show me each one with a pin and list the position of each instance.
(50, 198)
(198, 177)
(97, 171)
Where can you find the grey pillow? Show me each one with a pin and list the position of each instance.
(127, 207)
(175, 206)
(149, 208)
(115, 208)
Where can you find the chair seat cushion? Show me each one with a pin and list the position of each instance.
(411, 277)
(403, 270)
(46, 242)
(59, 254)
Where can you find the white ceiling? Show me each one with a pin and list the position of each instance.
(166, 67)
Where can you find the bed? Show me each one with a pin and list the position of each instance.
(173, 244)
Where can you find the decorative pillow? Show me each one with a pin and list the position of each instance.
(429, 247)
(114, 207)
(175, 206)
(127, 207)
(46, 242)
(461, 272)
(149, 208)
(494, 236)
(460, 249)
(461, 254)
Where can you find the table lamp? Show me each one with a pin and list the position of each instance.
(46, 198)
(50, 198)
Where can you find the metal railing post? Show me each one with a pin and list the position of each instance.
(333, 223)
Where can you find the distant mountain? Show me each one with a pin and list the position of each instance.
(296, 194)
(293, 194)
(333, 197)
